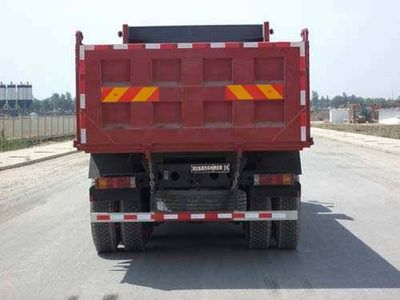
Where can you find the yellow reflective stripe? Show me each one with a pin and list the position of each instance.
(115, 94)
(240, 92)
(269, 91)
(144, 94)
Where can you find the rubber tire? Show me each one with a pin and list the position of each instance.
(104, 234)
(134, 236)
(258, 233)
(287, 233)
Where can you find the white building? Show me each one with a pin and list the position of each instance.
(339, 115)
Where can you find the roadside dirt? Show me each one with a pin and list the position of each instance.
(388, 131)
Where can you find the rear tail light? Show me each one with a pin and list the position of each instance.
(274, 179)
(115, 182)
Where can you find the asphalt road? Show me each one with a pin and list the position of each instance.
(350, 244)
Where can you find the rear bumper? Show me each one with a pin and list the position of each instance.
(237, 216)
(169, 148)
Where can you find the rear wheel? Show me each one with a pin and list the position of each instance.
(134, 235)
(258, 233)
(104, 234)
(287, 232)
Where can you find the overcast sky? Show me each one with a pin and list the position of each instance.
(355, 45)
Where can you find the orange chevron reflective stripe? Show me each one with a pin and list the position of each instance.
(254, 91)
(129, 94)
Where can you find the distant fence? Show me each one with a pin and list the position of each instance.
(37, 127)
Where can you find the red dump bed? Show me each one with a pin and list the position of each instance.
(186, 97)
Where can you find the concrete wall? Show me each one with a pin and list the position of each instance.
(387, 113)
(37, 127)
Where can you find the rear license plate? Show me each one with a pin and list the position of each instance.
(210, 168)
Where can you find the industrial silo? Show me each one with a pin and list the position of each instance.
(24, 96)
(28, 96)
(11, 95)
(2, 95)
(20, 91)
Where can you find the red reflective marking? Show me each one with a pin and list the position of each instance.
(270, 179)
(238, 215)
(158, 217)
(201, 45)
(302, 63)
(265, 45)
(229, 95)
(130, 217)
(135, 46)
(82, 67)
(167, 46)
(233, 45)
(282, 44)
(303, 83)
(265, 215)
(105, 91)
(82, 119)
(102, 47)
(103, 217)
(211, 216)
(82, 85)
(155, 96)
(279, 88)
(184, 217)
(303, 118)
(255, 92)
(120, 182)
(129, 94)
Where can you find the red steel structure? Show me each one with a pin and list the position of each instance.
(179, 97)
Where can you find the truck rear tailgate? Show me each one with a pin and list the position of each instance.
(184, 97)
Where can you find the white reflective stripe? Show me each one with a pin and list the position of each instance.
(89, 47)
(197, 216)
(278, 215)
(302, 47)
(292, 215)
(82, 49)
(250, 45)
(170, 216)
(93, 218)
(185, 45)
(303, 133)
(120, 46)
(302, 97)
(82, 102)
(117, 217)
(152, 46)
(83, 136)
(251, 215)
(256, 179)
(224, 216)
(217, 45)
(287, 215)
(82, 52)
(133, 181)
(143, 216)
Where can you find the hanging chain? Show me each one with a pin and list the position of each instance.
(237, 174)
(152, 177)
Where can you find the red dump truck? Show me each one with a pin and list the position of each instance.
(194, 124)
